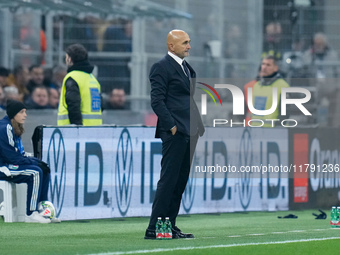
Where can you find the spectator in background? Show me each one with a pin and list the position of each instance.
(117, 38)
(4, 72)
(273, 45)
(48, 73)
(37, 77)
(117, 100)
(318, 54)
(320, 63)
(53, 77)
(235, 43)
(2, 99)
(59, 73)
(19, 79)
(12, 92)
(38, 99)
(87, 33)
(53, 98)
(235, 48)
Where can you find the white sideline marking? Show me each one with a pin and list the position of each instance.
(213, 246)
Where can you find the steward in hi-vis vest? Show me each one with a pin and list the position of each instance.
(80, 100)
(263, 92)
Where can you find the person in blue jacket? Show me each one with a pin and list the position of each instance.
(17, 167)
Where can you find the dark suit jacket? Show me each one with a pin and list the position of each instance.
(172, 98)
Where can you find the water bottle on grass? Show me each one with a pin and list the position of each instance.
(159, 229)
(167, 229)
(334, 218)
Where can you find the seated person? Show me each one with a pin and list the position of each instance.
(16, 167)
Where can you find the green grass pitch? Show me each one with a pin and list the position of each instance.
(228, 233)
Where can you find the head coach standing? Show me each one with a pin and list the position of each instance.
(80, 101)
(179, 125)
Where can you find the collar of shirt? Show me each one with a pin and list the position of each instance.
(178, 59)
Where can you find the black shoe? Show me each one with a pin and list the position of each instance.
(150, 234)
(177, 233)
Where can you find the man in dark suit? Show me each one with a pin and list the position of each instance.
(179, 125)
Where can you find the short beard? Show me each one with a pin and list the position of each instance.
(17, 128)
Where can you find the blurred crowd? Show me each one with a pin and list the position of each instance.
(39, 88)
(38, 85)
(311, 58)
(308, 63)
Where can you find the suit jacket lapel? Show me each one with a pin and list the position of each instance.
(193, 79)
(180, 70)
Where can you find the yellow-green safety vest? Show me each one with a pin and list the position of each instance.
(90, 105)
(263, 100)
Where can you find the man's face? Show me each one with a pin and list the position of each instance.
(53, 98)
(319, 45)
(24, 76)
(3, 80)
(37, 75)
(181, 45)
(118, 97)
(268, 67)
(40, 96)
(273, 33)
(20, 117)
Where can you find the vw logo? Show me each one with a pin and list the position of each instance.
(56, 158)
(124, 172)
(188, 196)
(245, 159)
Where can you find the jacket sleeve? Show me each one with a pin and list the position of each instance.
(9, 153)
(159, 89)
(73, 100)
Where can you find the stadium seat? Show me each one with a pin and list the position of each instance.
(13, 203)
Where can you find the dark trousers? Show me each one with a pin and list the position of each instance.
(37, 184)
(177, 154)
